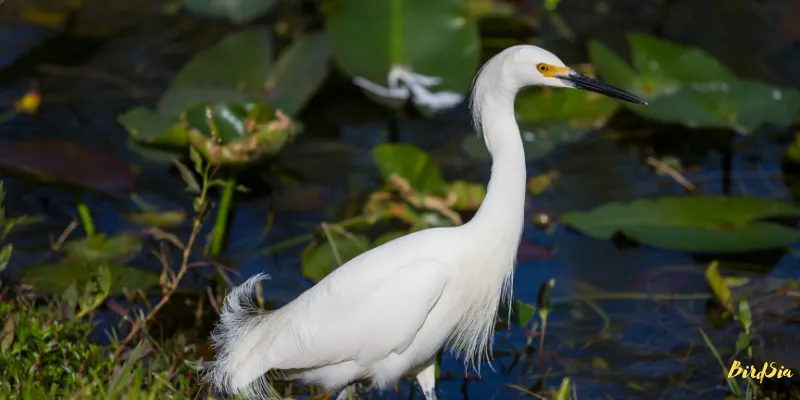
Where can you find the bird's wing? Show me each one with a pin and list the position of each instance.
(394, 313)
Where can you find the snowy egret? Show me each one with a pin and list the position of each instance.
(385, 314)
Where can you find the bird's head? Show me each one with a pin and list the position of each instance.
(527, 65)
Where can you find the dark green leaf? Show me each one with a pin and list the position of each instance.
(670, 64)
(232, 71)
(611, 68)
(743, 341)
(237, 11)
(433, 38)
(411, 164)
(148, 127)
(521, 313)
(299, 73)
(70, 295)
(695, 224)
(100, 248)
(228, 122)
(320, 259)
(55, 278)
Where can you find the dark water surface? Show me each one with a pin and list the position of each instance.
(622, 349)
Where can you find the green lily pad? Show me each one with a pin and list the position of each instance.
(154, 129)
(742, 106)
(698, 224)
(687, 86)
(538, 141)
(432, 38)
(319, 259)
(237, 11)
(410, 163)
(299, 72)
(100, 249)
(56, 278)
(233, 71)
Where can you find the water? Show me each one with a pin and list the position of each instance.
(622, 349)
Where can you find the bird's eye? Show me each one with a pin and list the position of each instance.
(542, 67)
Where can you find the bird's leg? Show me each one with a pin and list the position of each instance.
(427, 380)
(345, 393)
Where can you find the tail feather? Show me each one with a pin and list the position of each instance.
(241, 340)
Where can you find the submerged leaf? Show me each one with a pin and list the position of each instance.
(99, 248)
(56, 278)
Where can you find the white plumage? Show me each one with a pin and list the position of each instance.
(385, 314)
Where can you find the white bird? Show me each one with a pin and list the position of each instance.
(385, 314)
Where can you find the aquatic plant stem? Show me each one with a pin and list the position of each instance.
(220, 226)
(171, 280)
(86, 218)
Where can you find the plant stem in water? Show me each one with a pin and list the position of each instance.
(86, 218)
(221, 225)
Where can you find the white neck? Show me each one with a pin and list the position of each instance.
(500, 217)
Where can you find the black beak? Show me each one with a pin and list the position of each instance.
(579, 81)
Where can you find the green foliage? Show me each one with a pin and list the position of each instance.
(45, 353)
(299, 73)
(237, 11)
(411, 164)
(54, 278)
(233, 71)
(433, 38)
(687, 86)
(693, 224)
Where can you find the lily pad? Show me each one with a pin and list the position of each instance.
(410, 163)
(320, 259)
(687, 86)
(432, 38)
(299, 72)
(232, 71)
(69, 163)
(237, 11)
(698, 224)
(154, 129)
(56, 278)
(100, 249)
